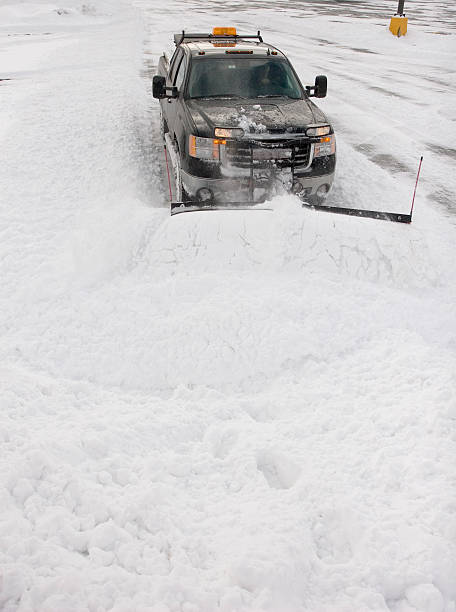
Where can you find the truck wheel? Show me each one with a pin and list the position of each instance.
(315, 200)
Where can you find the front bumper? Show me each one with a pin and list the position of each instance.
(241, 189)
(256, 170)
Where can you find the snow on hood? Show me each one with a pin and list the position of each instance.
(259, 117)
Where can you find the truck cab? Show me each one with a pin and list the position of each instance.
(238, 124)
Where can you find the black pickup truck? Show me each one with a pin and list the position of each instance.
(238, 125)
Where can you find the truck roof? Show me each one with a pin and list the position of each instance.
(228, 47)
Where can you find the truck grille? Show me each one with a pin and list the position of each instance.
(261, 154)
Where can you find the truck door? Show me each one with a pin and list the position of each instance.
(165, 107)
(179, 104)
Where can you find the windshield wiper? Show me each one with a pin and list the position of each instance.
(227, 96)
(276, 96)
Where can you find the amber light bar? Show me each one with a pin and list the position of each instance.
(224, 32)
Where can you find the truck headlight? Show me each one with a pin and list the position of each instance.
(229, 132)
(204, 148)
(318, 130)
(326, 146)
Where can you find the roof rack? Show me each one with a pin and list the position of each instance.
(189, 36)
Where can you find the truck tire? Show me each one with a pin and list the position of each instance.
(315, 200)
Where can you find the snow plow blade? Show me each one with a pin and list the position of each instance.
(182, 207)
(359, 212)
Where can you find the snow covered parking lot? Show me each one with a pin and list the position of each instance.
(248, 411)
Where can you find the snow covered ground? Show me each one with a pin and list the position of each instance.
(232, 412)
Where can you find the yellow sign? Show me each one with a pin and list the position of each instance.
(398, 26)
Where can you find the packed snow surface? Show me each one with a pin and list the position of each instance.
(237, 411)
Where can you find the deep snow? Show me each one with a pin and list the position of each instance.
(249, 411)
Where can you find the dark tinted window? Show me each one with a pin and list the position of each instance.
(243, 77)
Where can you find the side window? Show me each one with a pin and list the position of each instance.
(181, 73)
(175, 64)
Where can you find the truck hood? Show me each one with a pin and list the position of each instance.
(253, 116)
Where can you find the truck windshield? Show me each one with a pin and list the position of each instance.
(242, 77)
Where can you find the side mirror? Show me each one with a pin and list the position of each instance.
(159, 86)
(319, 89)
(159, 89)
(321, 86)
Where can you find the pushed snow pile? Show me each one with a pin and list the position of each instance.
(291, 239)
